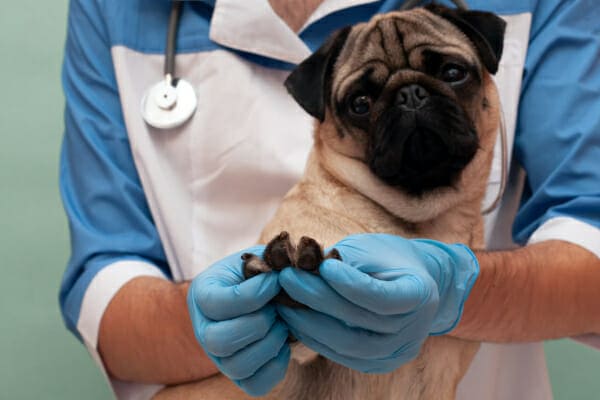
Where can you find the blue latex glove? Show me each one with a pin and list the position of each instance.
(373, 311)
(237, 327)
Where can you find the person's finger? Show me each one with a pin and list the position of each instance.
(383, 366)
(247, 361)
(221, 297)
(346, 341)
(268, 376)
(377, 250)
(406, 293)
(223, 338)
(313, 291)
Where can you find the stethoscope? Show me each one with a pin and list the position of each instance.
(171, 102)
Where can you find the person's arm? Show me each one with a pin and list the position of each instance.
(542, 291)
(551, 287)
(146, 335)
(116, 254)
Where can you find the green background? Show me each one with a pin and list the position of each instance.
(39, 359)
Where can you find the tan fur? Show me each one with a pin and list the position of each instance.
(338, 196)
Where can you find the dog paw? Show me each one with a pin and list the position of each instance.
(309, 255)
(253, 265)
(333, 254)
(281, 253)
(278, 254)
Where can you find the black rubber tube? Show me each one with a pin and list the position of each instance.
(172, 38)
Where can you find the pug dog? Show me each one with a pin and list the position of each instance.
(407, 116)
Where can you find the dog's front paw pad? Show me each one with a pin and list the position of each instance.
(253, 265)
(279, 252)
(309, 254)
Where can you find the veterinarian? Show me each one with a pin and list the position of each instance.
(153, 202)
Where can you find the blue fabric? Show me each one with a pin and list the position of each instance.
(558, 132)
(109, 218)
(108, 215)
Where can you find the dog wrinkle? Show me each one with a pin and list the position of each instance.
(392, 42)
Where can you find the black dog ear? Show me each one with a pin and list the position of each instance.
(485, 29)
(309, 83)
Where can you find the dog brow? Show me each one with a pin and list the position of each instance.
(392, 42)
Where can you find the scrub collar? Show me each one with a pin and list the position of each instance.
(252, 26)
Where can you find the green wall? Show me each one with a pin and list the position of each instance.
(38, 358)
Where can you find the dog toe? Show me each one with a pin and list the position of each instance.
(309, 254)
(253, 265)
(279, 252)
(333, 254)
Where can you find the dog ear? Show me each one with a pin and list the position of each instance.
(485, 29)
(310, 82)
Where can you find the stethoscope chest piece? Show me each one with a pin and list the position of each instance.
(166, 105)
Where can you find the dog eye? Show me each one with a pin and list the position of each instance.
(360, 105)
(453, 73)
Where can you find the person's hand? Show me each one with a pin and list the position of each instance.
(372, 311)
(237, 327)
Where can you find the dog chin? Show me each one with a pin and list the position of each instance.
(420, 150)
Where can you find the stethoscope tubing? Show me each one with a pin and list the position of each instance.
(170, 103)
(169, 68)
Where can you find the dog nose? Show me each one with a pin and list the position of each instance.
(412, 96)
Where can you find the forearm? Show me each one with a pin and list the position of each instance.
(146, 335)
(542, 291)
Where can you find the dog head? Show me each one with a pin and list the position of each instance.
(407, 109)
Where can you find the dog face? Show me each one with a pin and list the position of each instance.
(408, 95)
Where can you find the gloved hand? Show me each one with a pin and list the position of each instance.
(237, 327)
(372, 311)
